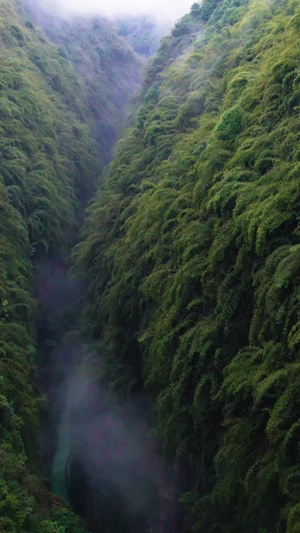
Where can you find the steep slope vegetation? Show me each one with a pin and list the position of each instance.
(47, 163)
(105, 63)
(191, 253)
(48, 169)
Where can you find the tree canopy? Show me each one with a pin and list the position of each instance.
(191, 254)
(49, 167)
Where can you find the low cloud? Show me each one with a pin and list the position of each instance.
(167, 9)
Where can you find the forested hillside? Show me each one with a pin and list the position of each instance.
(105, 63)
(191, 254)
(50, 163)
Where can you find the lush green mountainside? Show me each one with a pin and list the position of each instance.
(25, 503)
(191, 253)
(106, 64)
(48, 155)
(48, 169)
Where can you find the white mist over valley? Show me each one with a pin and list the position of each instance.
(163, 11)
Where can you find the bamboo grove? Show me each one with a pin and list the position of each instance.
(49, 167)
(191, 253)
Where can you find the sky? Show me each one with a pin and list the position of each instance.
(170, 10)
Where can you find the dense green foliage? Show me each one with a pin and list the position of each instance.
(105, 63)
(49, 164)
(25, 504)
(48, 157)
(191, 252)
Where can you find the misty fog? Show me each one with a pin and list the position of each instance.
(168, 10)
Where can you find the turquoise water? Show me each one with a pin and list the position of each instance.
(59, 484)
(76, 396)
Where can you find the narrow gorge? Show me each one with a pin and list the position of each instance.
(149, 270)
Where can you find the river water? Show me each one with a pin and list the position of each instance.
(106, 463)
(59, 482)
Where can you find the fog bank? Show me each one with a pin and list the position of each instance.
(167, 10)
